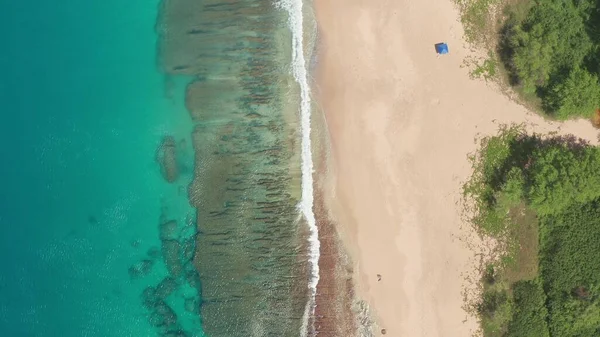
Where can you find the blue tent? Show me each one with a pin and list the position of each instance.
(441, 48)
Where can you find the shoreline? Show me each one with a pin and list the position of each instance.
(400, 122)
(336, 311)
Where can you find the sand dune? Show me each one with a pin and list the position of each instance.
(401, 122)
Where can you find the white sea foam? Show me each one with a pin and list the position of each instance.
(296, 24)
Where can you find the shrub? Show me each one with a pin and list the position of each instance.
(550, 52)
(577, 96)
(530, 314)
(561, 176)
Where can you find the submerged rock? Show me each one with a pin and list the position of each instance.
(192, 277)
(140, 269)
(163, 314)
(166, 156)
(153, 253)
(171, 251)
(189, 249)
(92, 220)
(165, 288)
(176, 333)
(149, 297)
(168, 230)
(157, 319)
(191, 305)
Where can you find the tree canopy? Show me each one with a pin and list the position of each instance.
(558, 180)
(554, 54)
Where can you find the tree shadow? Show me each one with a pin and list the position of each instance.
(506, 51)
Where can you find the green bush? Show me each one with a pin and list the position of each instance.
(577, 95)
(529, 317)
(490, 167)
(513, 189)
(496, 310)
(532, 56)
(571, 316)
(559, 180)
(571, 269)
(551, 52)
(561, 176)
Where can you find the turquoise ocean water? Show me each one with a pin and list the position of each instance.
(84, 109)
(156, 168)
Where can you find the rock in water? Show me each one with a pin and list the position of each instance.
(167, 315)
(191, 276)
(168, 230)
(189, 249)
(166, 155)
(163, 316)
(140, 269)
(92, 220)
(191, 305)
(153, 253)
(165, 288)
(176, 333)
(171, 250)
(149, 297)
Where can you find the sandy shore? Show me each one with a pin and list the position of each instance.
(401, 122)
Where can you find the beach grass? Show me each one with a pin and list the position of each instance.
(475, 17)
(482, 68)
(485, 24)
(518, 263)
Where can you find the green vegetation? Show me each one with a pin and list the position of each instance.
(530, 315)
(486, 69)
(475, 18)
(552, 52)
(539, 197)
(548, 49)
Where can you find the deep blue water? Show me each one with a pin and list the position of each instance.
(83, 110)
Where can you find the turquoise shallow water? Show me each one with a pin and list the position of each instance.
(83, 110)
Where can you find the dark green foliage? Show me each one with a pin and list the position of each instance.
(552, 53)
(496, 310)
(530, 314)
(559, 180)
(532, 58)
(498, 156)
(561, 176)
(573, 317)
(577, 93)
(570, 268)
(572, 240)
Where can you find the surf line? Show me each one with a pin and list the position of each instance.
(295, 21)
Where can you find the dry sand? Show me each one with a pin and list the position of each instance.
(401, 122)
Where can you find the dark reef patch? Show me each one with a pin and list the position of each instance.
(141, 268)
(166, 156)
(249, 258)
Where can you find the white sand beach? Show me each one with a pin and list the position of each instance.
(402, 121)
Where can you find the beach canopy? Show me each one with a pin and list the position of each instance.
(441, 48)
